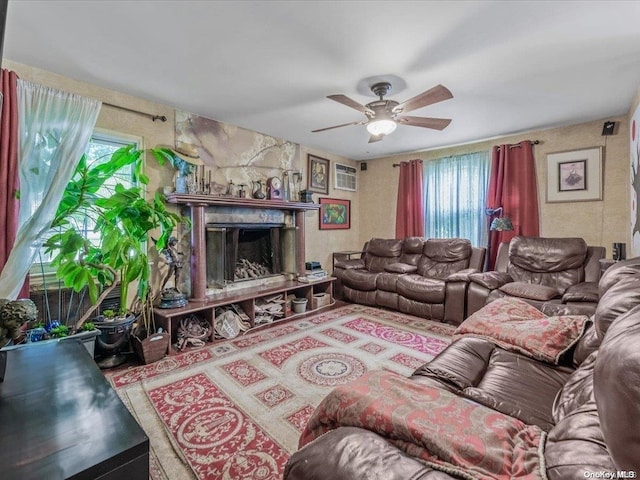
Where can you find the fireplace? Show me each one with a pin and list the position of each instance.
(243, 252)
(224, 229)
(244, 245)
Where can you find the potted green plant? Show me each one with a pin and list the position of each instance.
(116, 255)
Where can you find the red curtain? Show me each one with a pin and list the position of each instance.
(513, 186)
(410, 209)
(9, 182)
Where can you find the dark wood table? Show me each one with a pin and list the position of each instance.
(60, 419)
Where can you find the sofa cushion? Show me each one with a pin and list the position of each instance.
(619, 293)
(490, 280)
(519, 386)
(556, 262)
(400, 268)
(582, 292)
(417, 287)
(588, 343)
(350, 453)
(576, 392)
(381, 252)
(360, 279)
(546, 255)
(532, 291)
(505, 381)
(575, 446)
(387, 282)
(442, 257)
(462, 364)
(617, 390)
(349, 264)
(412, 250)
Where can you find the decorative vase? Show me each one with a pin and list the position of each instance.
(113, 340)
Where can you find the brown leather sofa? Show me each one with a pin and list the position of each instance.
(589, 404)
(426, 278)
(542, 272)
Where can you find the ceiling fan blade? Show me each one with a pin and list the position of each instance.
(437, 94)
(343, 99)
(335, 126)
(375, 138)
(435, 123)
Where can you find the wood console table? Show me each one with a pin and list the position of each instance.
(60, 419)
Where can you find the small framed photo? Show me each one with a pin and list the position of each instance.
(318, 177)
(335, 214)
(575, 175)
(572, 176)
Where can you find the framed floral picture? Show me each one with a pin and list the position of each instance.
(318, 177)
(335, 214)
(575, 175)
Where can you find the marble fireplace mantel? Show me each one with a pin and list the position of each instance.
(197, 205)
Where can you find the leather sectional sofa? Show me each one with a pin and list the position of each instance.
(422, 277)
(545, 272)
(587, 405)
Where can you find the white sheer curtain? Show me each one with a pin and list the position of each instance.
(54, 129)
(456, 193)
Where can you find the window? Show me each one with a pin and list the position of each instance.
(456, 193)
(101, 145)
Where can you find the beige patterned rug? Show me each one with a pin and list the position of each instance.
(235, 408)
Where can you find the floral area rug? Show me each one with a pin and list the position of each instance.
(235, 409)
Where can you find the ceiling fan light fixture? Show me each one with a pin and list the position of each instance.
(381, 127)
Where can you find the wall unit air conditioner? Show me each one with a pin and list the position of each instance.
(345, 177)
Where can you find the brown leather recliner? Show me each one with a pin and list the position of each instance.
(589, 404)
(438, 289)
(426, 278)
(542, 272)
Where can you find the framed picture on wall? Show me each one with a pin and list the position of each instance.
(575, 175)
(318, 177)
(335, 214)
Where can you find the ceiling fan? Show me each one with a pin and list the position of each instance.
(383, 116)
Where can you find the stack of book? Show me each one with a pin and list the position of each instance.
(313, 276)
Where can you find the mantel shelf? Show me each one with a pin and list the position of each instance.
(226, 201)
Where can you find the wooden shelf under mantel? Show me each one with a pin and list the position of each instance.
(228, 201)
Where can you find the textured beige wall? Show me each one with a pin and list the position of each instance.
(320, 244)
(598, 222)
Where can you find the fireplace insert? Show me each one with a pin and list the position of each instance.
(240, 252)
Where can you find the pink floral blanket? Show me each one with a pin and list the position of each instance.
(447, 432)
(517, 326)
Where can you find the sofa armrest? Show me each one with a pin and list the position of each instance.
(352, 264)
(400, 268)
(461, 275)
(491, 280)
(582, 292)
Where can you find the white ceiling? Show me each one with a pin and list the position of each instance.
(512, 66)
